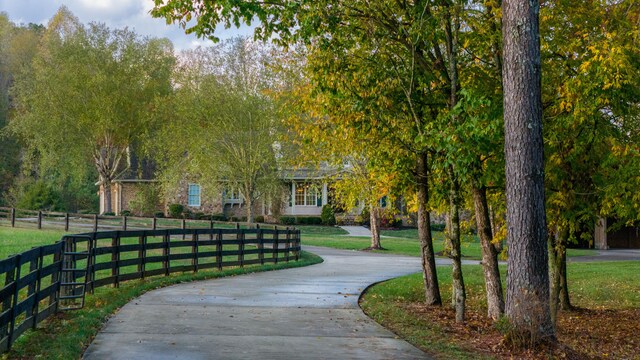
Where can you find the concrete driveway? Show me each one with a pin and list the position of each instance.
(303, 313)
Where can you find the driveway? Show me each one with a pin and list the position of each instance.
(303, 313)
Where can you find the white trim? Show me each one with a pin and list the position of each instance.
(189, 195)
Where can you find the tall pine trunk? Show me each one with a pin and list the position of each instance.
(527, 305)
(432, 290)
(374, 219)
(459, 293)
(493, 285)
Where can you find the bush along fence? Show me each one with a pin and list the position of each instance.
(47, 279)
(58, 220)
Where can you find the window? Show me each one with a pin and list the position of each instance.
(306, 195)
(194, 195)
(232, 196)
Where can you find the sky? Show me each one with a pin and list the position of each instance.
(133, 14)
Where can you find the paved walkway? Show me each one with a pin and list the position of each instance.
(303, 313)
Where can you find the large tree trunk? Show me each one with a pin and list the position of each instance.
(432, 290)
(554, 242)
(527, 305)
(459, 294)
(565, 301)
(106, 188)
(493, 285)
(374, 218)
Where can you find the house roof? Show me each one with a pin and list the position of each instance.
(307, 174)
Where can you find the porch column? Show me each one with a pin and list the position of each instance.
(325, 194)
(293, 198)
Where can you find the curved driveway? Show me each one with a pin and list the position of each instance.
(303, 313)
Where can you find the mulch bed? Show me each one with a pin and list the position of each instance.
(582, 334)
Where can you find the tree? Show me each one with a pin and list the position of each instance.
(388, 88)
(589, 53)
(89, 96)
(221, 126)
(527, 305)
(18, 45)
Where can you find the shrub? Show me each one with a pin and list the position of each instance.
(175, 210)
(327, 216)
(358, 220)
(39, 196)
(158, 214)
(218, 217)
(365, 216)
(259, 219)
(200, 216)
(125, 213)
(309, 220)
(238, 219)
(437, 227)
(109, 214)
(287, 220)
(145, 201)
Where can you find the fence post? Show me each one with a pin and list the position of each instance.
(154, 223)
(12, 325)
(66, 221)
(6, 304)
(241, 247)
(219, 249)
(13, 217)
(166, 252)
(115, 257)
(260, 236)
(124, 222)
(95, 223)
(142, 241)
(55, 278)
(39, 219)
(184, 226)
(194, 251)
(288, 247)
(275, 248)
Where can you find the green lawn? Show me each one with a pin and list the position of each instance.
(16, 240)
(604, 285)
(404, 242)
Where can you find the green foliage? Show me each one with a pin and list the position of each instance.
(159, 214)
(40, 196)
(328, 216)
(287, 220)
(220, 127)
(259, 219)
(365, 217)
(126, 213)
(88, 96)
(308, 220)
(176, 210)
(146, 200)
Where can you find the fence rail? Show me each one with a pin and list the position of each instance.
(41, 281)
(60, 220)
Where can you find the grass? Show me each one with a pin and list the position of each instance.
(604, 286)
(405, 242)
(16, 240)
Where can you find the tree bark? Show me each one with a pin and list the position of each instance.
(527, 305)
(106, 188)
(374, 218)
(430, 277)
(493, 285)
(565, 300)
(554, 272)
(459, 294)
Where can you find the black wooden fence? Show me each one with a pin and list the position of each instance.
(94, 222)
(46, 279)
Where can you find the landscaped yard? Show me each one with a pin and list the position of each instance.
(607, 295)
(404, 242)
